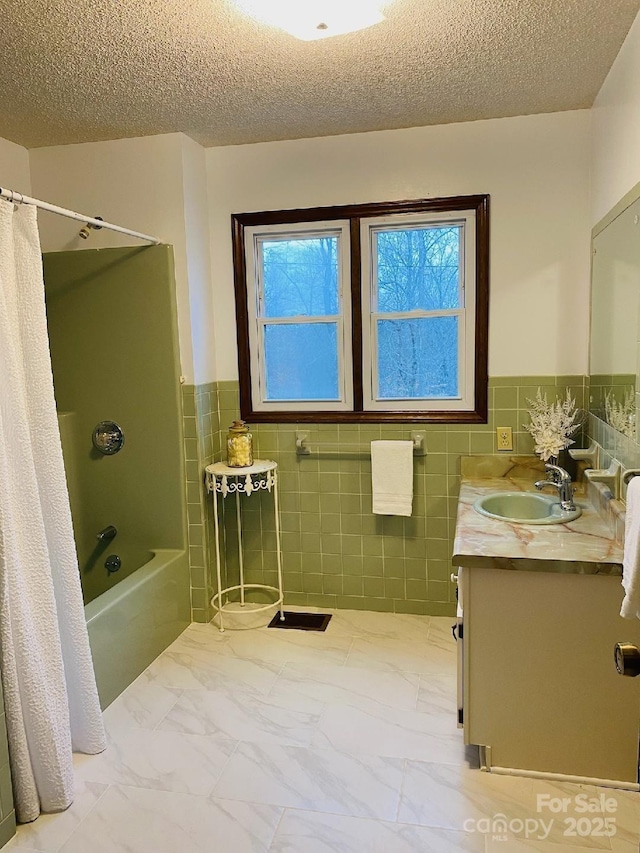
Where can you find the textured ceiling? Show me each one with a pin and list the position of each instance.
(80, 72)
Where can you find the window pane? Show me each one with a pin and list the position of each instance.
(418, 359)
(418, 268)
(300, 277)
(302, 361)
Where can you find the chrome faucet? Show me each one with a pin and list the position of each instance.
(560, 480)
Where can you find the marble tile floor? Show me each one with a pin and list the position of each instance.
(261, 740)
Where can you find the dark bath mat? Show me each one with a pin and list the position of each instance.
(301, 621)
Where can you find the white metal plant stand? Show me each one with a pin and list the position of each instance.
(221, 479)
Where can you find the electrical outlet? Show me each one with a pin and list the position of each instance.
(504, 438)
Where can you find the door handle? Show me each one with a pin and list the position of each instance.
(627, 658)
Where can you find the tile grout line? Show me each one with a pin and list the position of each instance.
(275, 831)
(401, 791)
(221, 774)
(164, 717)
(82, 820)
(418, 691)
(348, 654)
(276, 679)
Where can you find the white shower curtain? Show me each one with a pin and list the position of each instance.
(50, 692)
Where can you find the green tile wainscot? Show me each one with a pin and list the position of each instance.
(336, 553)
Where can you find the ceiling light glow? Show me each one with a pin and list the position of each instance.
(309, 20)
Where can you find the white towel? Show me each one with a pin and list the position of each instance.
(631, 559)
(392, 477)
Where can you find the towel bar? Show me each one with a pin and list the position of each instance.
(305, 446)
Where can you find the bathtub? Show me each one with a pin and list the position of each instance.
(130, 624)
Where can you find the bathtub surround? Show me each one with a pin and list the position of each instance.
(50, 695)
(336, 553)
(112, 329)
(114, 358)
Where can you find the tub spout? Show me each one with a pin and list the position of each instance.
(107, 534)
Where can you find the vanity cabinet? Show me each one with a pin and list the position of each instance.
(540, 620)
(541, 688)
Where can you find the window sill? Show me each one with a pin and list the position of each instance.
(476, 417)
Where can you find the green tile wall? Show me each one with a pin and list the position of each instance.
(614, 444)
(7, 814)
(335, 551)
(201, 447)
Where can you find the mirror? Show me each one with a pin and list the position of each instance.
(615, 321)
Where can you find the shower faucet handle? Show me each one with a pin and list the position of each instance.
(107, 534)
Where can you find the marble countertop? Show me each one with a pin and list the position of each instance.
(583, 546)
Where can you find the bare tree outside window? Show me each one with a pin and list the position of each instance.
(417, 271)
(300, 280)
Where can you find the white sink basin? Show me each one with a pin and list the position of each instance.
(525, 508)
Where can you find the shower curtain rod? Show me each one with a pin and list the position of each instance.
(18, 198)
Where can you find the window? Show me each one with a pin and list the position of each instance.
(300, 316)
(364, 312)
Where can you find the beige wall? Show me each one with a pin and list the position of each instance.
(201, 300)
(536, 169)
(616, 129)
(14, 167)
(142, 184)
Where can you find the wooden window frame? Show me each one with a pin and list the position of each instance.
(478, 204)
